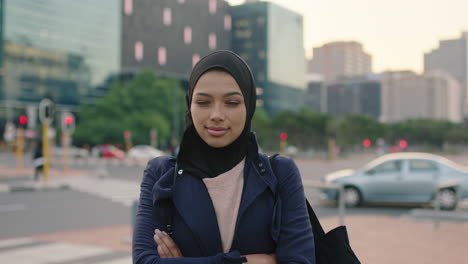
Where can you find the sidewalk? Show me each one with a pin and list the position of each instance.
(14, 180)
(375, 239)
(390, 240)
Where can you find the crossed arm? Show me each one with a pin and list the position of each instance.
(167, 248)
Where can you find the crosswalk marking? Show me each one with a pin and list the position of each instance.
(127, 260)
(15, 242)
(29, 251)
(57, 252)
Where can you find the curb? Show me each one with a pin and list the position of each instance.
(33, 187)
(425, 214)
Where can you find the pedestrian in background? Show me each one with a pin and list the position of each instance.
(219, 200)
(38, 160)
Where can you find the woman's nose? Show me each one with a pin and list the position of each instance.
(217, 113)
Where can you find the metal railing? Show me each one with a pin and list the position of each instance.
(330, 186)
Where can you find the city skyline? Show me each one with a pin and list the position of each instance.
(396, 34)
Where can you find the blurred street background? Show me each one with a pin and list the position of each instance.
(92, 90)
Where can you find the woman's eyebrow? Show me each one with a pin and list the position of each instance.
(225, 95)
(232, 93)
(204, 94)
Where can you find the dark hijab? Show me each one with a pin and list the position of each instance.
(195, 156)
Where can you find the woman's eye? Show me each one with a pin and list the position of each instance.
(202, 102)
(232, 103)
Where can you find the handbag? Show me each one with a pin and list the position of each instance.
(332, 247)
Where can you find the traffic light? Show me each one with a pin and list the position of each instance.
(23, 120)
(403, 144)
(68, 122)
(366, 143)
(284, 136)
(127, 135)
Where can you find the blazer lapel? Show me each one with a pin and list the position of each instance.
(193, 202)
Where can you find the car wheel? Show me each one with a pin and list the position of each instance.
(448, 199)
(352, 196)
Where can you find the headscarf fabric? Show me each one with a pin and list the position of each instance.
(196, 157)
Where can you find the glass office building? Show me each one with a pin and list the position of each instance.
(62, 49)
(270, 38)
(169, 37)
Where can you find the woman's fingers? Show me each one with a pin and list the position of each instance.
(162, 248)
(171, 245)
(167, 248)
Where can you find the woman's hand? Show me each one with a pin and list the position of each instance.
(261, 259)
(167, 248)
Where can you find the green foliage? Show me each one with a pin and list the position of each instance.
(308, 129)
(353, 129)
(146, 102)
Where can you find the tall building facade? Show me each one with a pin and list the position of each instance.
(452, 57)
(433, 95)
(58, 48)
(340, 59)
(170, 36)
(316, 94)
(354, 95)
(270, 38)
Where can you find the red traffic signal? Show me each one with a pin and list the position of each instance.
(403, 144)
(127, 135)
(23, 120)
(69, 120)
(284, 136)
(366, 143)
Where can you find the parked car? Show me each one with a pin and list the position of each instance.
(402, 177)
(144, 153)
(73, 152)
(107, 151)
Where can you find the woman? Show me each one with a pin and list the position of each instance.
(220, 197)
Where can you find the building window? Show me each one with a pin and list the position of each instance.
(162, 56)
(227, 22)
(138, 51)
(212, 6)
(261, 54)
(195, 59)
(212, 41)
(187, 35)
(128, 7)
(167, 16)
(181, 1)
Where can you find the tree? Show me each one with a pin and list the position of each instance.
(148, 101)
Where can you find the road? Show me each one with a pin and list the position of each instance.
(96, 211)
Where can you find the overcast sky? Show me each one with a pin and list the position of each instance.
(396, 33)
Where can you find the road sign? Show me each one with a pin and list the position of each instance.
(10, 131)
(46, 111)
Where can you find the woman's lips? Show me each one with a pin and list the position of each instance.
(217, 132)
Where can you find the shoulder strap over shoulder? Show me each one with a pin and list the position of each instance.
(316, 226)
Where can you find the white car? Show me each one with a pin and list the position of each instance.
(144, 153)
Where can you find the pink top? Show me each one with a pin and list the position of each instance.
(225, 191)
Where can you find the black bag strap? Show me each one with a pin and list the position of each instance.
(316, 226)
(169, 215)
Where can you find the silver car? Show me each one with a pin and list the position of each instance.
(402, 177)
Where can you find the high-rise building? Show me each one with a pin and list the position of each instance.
(169, 37)
(340, 59)
(354, 95)
(270, 38)
(433, 95)
(316, 94)
(452, 57)
(58, 48)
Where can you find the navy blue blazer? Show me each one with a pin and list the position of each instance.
(272, 216)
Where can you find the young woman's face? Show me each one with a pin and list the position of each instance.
(218, 109)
